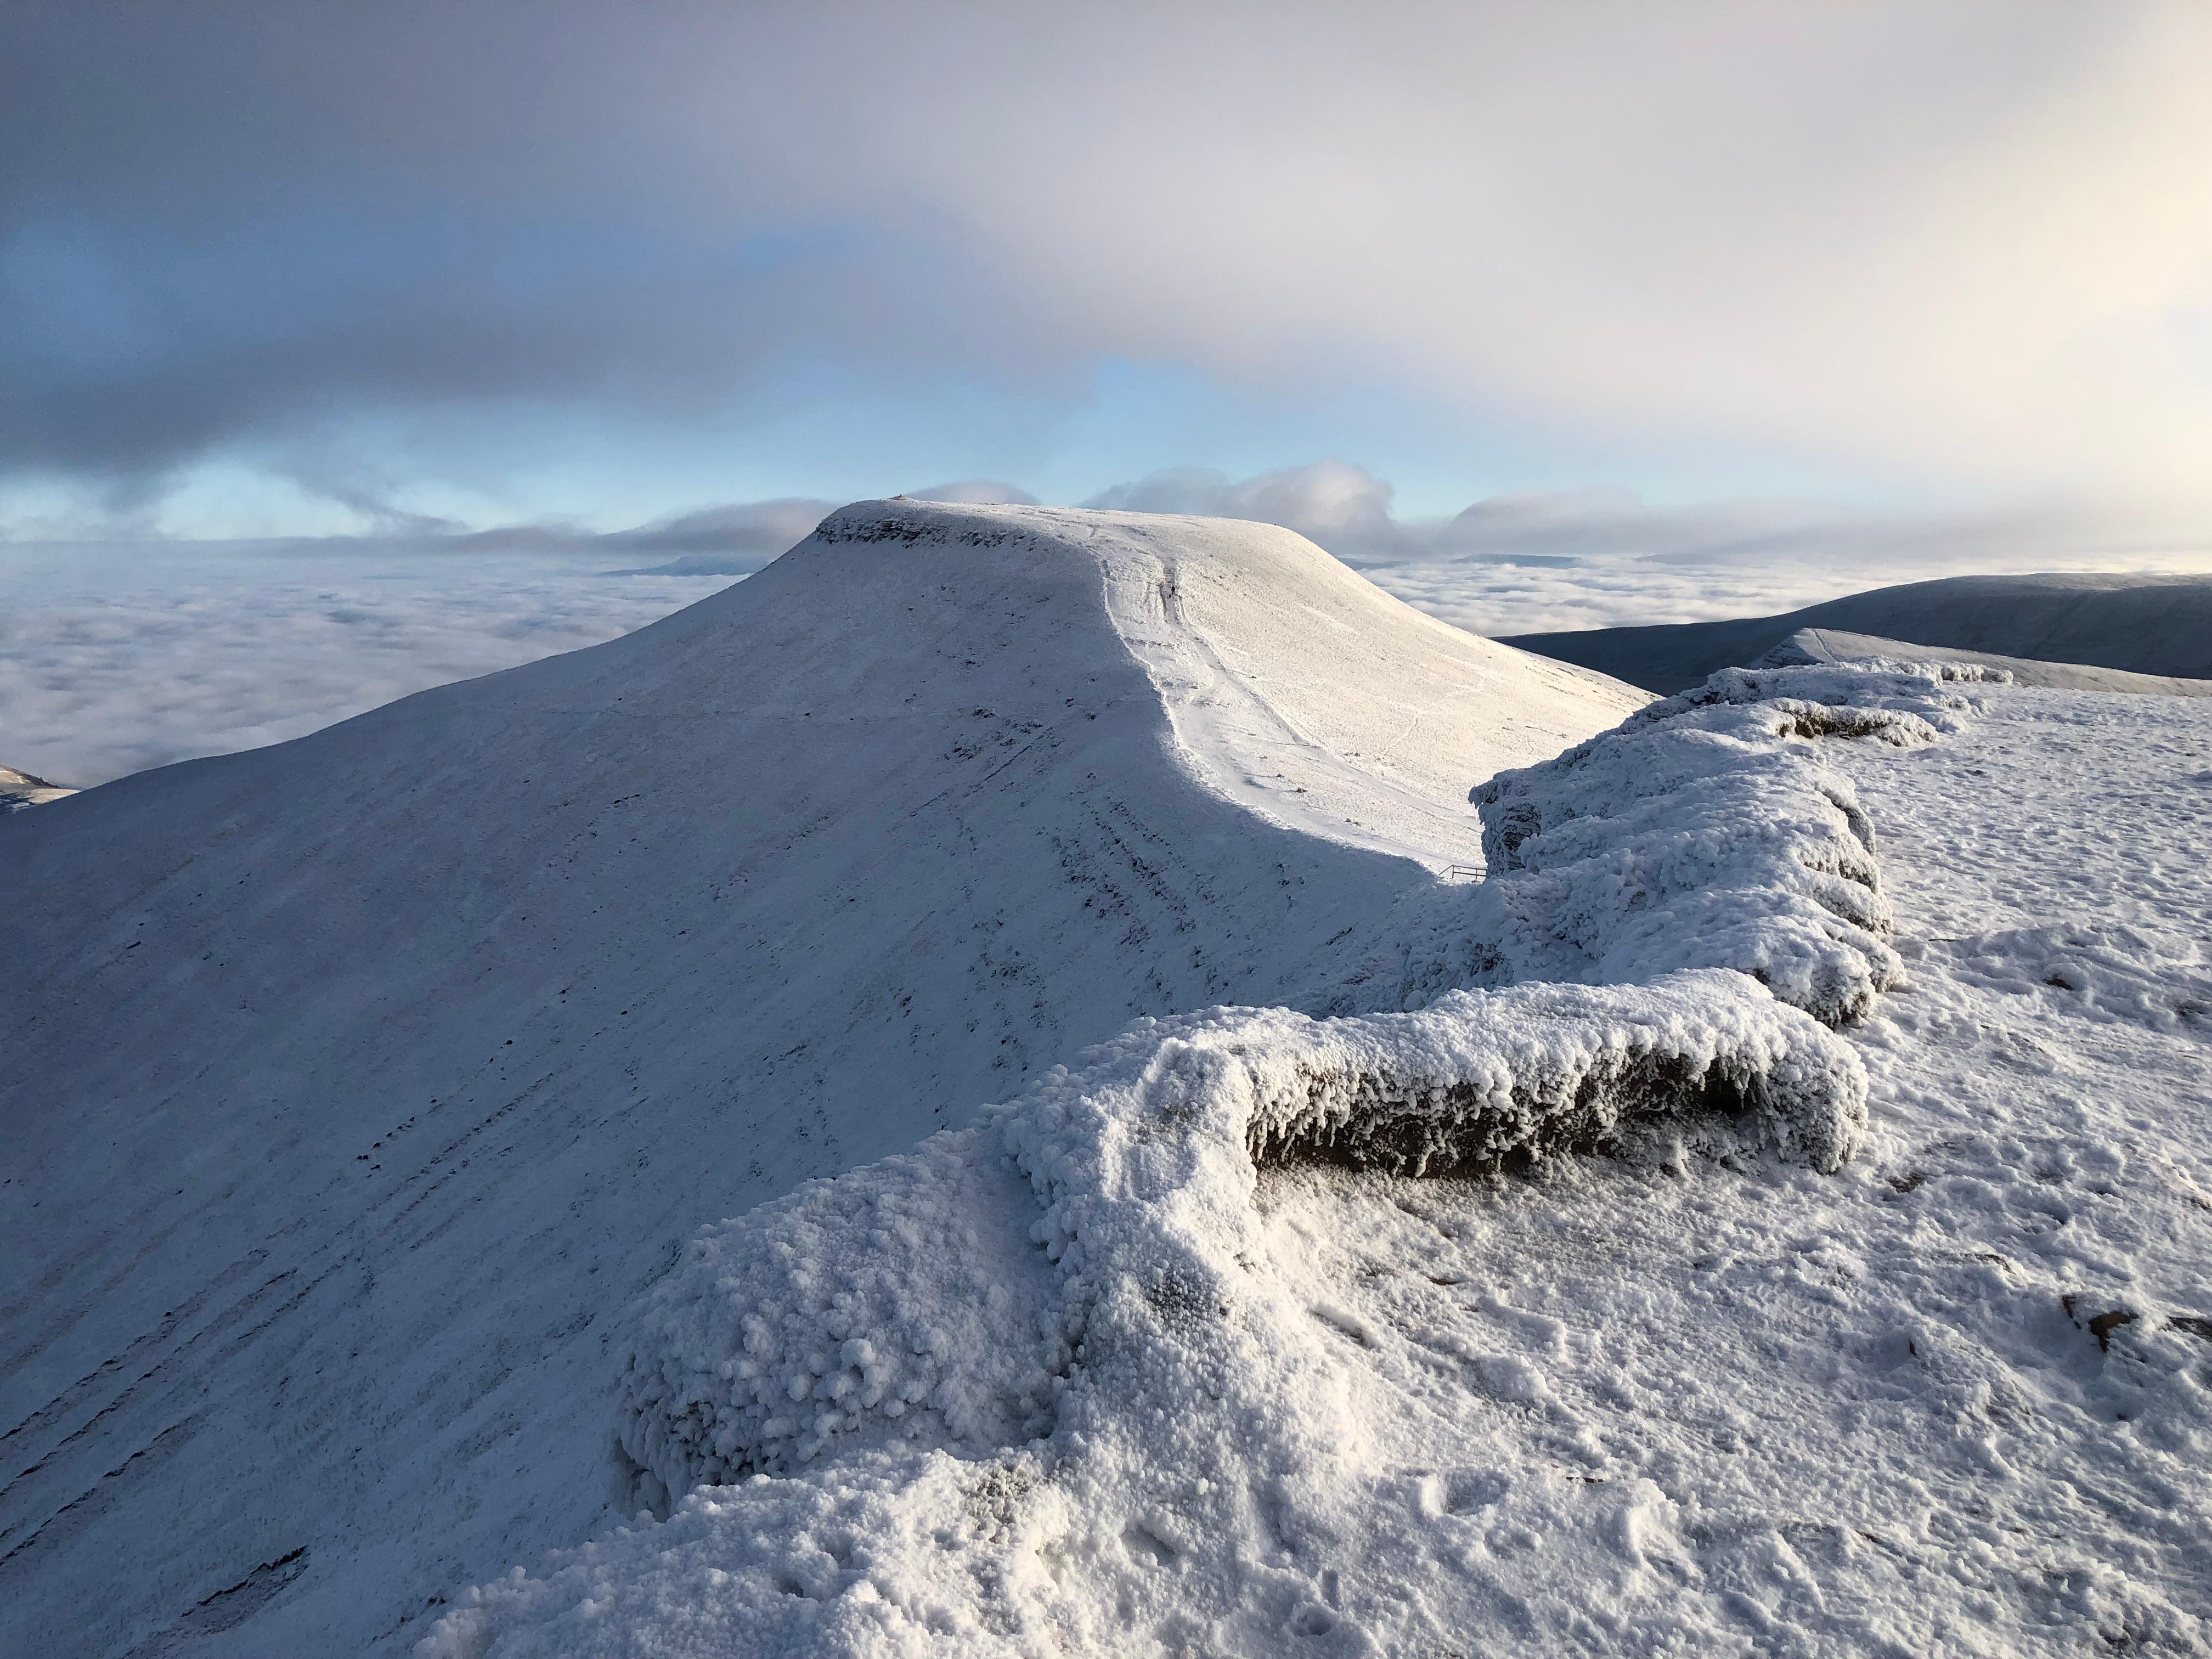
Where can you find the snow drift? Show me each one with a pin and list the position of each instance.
(350, 1085)
(960, 1400)
(1829, 645)
(1708, 831)
(913, 1301)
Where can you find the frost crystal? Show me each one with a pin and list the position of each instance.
(987, 1335)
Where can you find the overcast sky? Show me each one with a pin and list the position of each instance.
(276, 268)
(1546, 315)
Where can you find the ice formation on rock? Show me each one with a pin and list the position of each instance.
(915, 1299)
(1017, 1340)
(1705, 831)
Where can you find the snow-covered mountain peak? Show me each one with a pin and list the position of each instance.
(390, 1062)
(1294, 686)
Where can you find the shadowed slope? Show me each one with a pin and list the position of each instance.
(345, 1083)
(2157, 625)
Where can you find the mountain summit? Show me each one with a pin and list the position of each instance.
(348, 1083)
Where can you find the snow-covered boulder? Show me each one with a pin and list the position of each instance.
(939, 1299)
(1707, 831)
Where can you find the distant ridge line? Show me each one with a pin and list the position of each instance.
(2142, 624)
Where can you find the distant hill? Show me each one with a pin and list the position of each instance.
(20, 789)
(2159, 625)
(1829, 645)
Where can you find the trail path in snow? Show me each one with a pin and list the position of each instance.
(349, 1085)
(1952, 1398)
(1956, 1398)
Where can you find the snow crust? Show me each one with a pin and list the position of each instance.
(353, 1089)
(1107, 1405)
(910, 1300)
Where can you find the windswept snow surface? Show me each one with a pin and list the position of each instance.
(1244, 1384)
(354, 1090)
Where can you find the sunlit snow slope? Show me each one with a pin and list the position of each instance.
(1142, 1364)
(19, 790)
(1812, 644)
(347, 1085)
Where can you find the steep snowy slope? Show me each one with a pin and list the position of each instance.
(1932, 1379)
(1304, 692)
(350, 1085)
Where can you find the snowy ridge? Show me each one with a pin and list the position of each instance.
(20, 791)
(1706, 831)
(351, 1087)
(903, 1302)
(844, 1380)
(2142, 623)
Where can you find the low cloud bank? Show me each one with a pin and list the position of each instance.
(732, 540)
(114, 659)
(977, 492)
(1599, 557)
(121, 655)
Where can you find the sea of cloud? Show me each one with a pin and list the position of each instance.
(1605, 558)
(115, 657)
